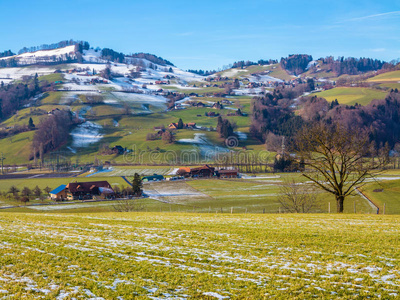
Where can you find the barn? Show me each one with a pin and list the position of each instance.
(86, 190)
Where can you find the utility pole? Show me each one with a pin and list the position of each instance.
(2, 158)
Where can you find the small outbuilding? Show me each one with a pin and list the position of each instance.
(59, 193)
(153, 177)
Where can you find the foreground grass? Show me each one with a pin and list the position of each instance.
(155, 255)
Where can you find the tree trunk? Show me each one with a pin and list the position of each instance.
(339, 203)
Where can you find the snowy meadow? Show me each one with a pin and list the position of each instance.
(206, 256)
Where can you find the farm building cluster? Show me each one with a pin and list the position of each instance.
(82, 191)
(207, 171)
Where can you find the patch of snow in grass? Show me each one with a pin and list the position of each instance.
(86, 134)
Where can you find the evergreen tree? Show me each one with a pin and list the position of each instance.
(180, 124)
(36, 83)
(137, 185)
(30, 124)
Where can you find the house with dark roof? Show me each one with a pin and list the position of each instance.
(204, 171)
(227, 173)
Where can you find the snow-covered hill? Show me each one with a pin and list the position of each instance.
(92, 61)
(44, 56)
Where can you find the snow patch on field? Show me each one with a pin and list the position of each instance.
(86, 134)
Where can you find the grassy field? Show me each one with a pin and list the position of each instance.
(17, 148)
(385, 194)
(386, 77)
(352, 95)
(254, 195)
(179, 256)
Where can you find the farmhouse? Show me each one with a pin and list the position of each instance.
(200, 104)
(227, 173)
(204, 171)
(117, 149)
(86, 190)
(174, 126)
(207, 171)
(217, 105)
(211, 114)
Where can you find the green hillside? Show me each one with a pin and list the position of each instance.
(352, 95)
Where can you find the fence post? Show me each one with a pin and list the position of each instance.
(384, 208)
(329, 207)
(231, 210)
(354, 206)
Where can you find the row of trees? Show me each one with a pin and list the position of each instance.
(352, 65)
(60, 44)
(241, 64)
(6, 53)
(26, 193)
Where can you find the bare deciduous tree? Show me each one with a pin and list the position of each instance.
(336, 159)
(297, 197)
(126, 205)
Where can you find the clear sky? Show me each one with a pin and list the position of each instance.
(209, 34)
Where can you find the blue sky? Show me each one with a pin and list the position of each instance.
(209, 34)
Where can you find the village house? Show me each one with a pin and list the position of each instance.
(227, 102)
(217, 105)
(204, 171)
(162, 82)
(118, 149)
(174, 126)
(211, 114)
